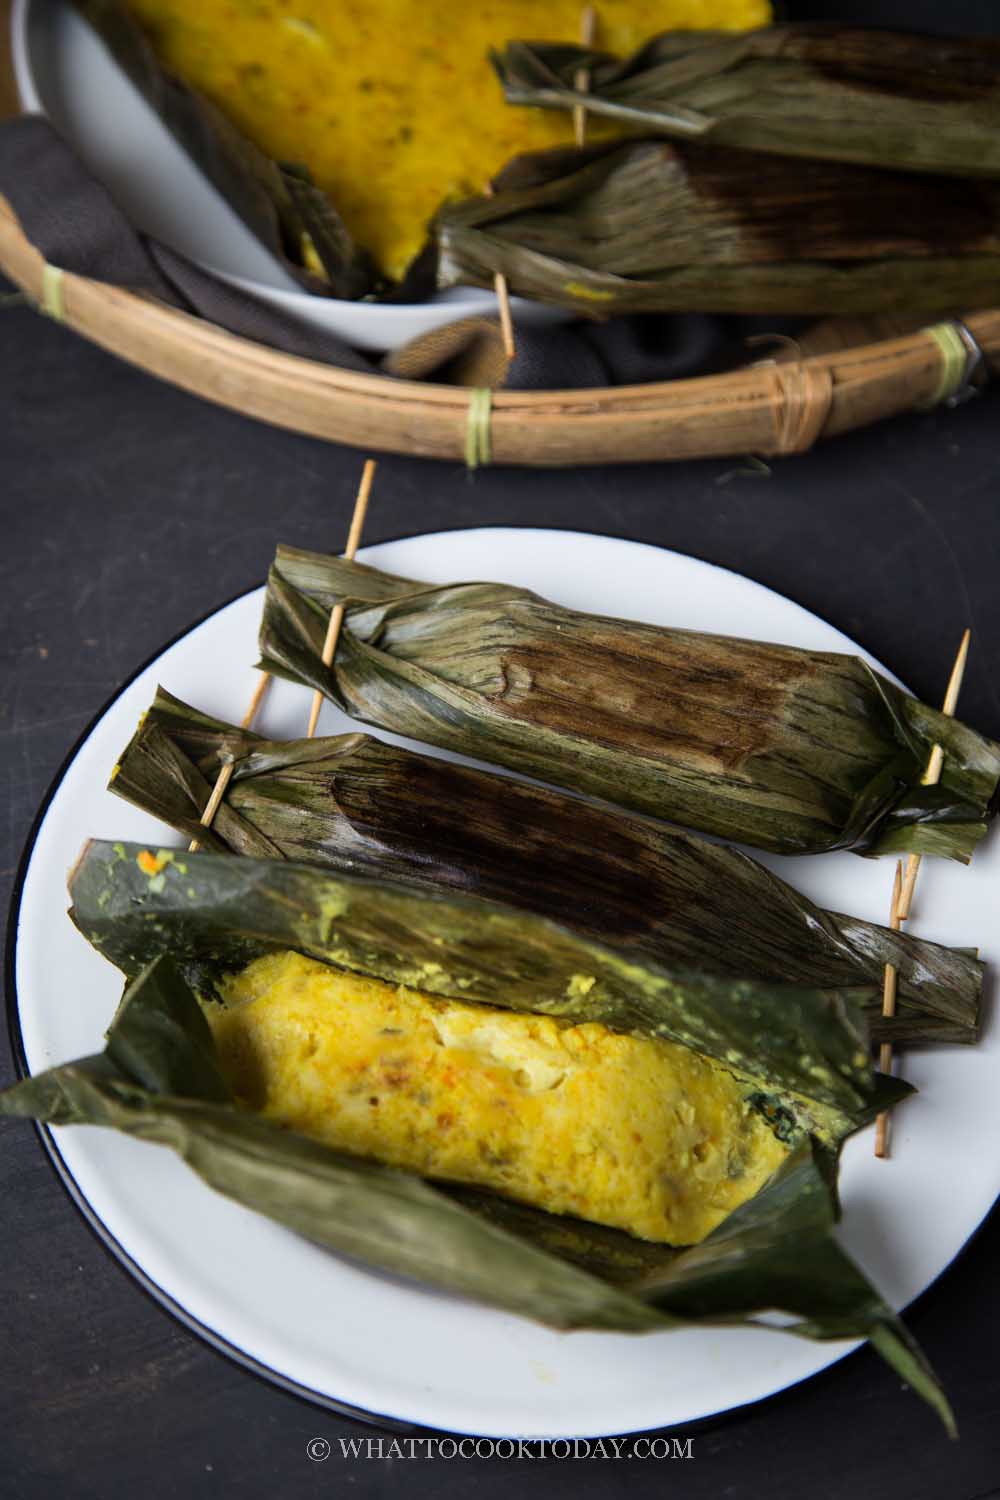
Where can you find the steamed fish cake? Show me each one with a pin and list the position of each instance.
(641, 1135)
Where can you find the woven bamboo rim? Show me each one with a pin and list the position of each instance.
(765, 409)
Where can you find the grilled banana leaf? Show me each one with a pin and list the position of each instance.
(158, 1080)
(828, 92)
(794, 751)
(645, 226)
(281, 206)
(357, 805)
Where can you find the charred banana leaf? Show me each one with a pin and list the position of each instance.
(790, 750)
(828, 92)
(647, 226)
(357, 805)
(158, 1079)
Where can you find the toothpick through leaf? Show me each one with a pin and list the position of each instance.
(935, 763)
(337, 613)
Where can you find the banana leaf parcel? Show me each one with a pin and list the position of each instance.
(793, 751)
(648, 226)
(171, 921)
(828, 92)
(359, 806)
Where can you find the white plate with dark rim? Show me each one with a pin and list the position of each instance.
(64, 71)
(353, 1339)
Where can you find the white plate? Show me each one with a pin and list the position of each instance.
(345, 1335)
(64, 71)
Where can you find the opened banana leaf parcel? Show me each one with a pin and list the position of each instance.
(787, 1068)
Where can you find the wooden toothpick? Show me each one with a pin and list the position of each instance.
(935, 762)
(889, 1009)
(581, 78)
(902, 886)
(225, 776)
(337, 613)
(502, 292)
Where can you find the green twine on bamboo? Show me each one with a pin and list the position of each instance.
(51, 302)
(478, 448)
(954, 353)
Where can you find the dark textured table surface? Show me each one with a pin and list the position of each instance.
(128, 511)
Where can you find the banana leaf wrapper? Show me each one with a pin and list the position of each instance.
(279, 203)
(215, 913)
(646, 226)
(889, 99)
(158, 1079)
(359, 806)
(793, 751)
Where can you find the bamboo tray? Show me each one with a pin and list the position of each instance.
(769, 408)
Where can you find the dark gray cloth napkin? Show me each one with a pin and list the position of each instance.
(76, 225)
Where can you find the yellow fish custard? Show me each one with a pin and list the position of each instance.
(642, 1135)
(392, 104)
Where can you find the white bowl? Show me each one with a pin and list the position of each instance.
(63, 70)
